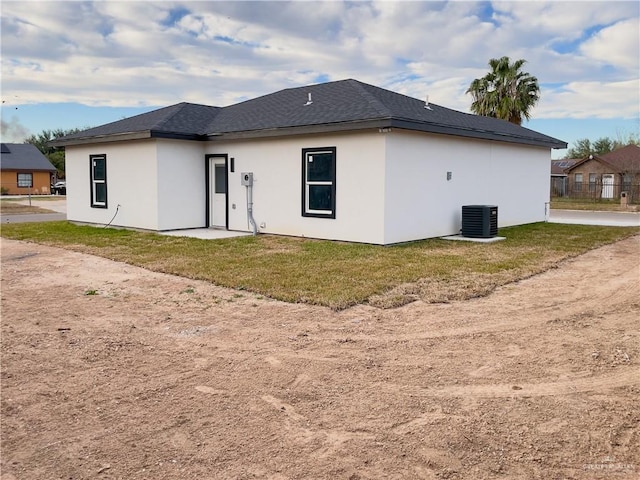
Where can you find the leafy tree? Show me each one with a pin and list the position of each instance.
(505, 92)
(57, 158)
(54, 154)
(623, 140)
(583, 147)
(603, 145)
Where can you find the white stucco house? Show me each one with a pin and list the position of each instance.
(340, 160)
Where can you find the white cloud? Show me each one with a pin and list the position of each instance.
(591, 100)
(128, 54)
(446, 92)
(617, 45)
(566, 19)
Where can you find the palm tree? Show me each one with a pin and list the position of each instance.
(505, 92)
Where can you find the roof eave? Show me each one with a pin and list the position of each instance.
(471, 133)
(114, 137)
(119, 137)
(178, 136)
(26, 169)
(301, 130)
(385, 123)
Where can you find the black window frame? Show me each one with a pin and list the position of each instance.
(316, 213)
(93, 182)
(30, 174)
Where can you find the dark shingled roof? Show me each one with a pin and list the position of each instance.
(24, 156)
(626, 159)
(183, 120)
(334, 106)
(622, 160)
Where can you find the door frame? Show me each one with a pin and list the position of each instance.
(608, 187)
(209, 188)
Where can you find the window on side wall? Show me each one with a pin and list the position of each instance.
(25, 180)
(593, 180)
(319, 182)
(577, 182)
(98, 167)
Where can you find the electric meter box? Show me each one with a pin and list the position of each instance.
(246, 178)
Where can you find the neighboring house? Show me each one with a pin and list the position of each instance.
(559, 180)
(24, 170)
(341, 160)
(607, 176)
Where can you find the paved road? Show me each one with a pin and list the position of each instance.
(57, 204)
(584, 217)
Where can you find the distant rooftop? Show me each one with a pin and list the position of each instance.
(23, 156)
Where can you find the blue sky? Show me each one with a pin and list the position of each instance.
(82, 64)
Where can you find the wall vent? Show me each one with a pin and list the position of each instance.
(479, 221)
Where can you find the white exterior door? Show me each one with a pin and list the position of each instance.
(218, 192)
(607, 185)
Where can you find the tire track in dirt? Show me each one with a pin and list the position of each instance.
(331, 440)
(428, 418)
(623, 377)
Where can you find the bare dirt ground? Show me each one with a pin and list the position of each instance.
(113, 372)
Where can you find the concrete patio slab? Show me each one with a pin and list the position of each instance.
(205, 233)
(472, 239)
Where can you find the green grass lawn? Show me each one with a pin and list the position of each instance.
(336, 274)
(602, 205)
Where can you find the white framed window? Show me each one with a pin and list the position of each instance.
(319, 182)
(98, 170)
(25, 180)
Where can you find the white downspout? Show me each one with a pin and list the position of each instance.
(250, 209)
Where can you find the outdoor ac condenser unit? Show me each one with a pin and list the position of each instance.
(479, 221)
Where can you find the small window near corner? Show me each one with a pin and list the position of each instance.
(319, 182)
(98, 170)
